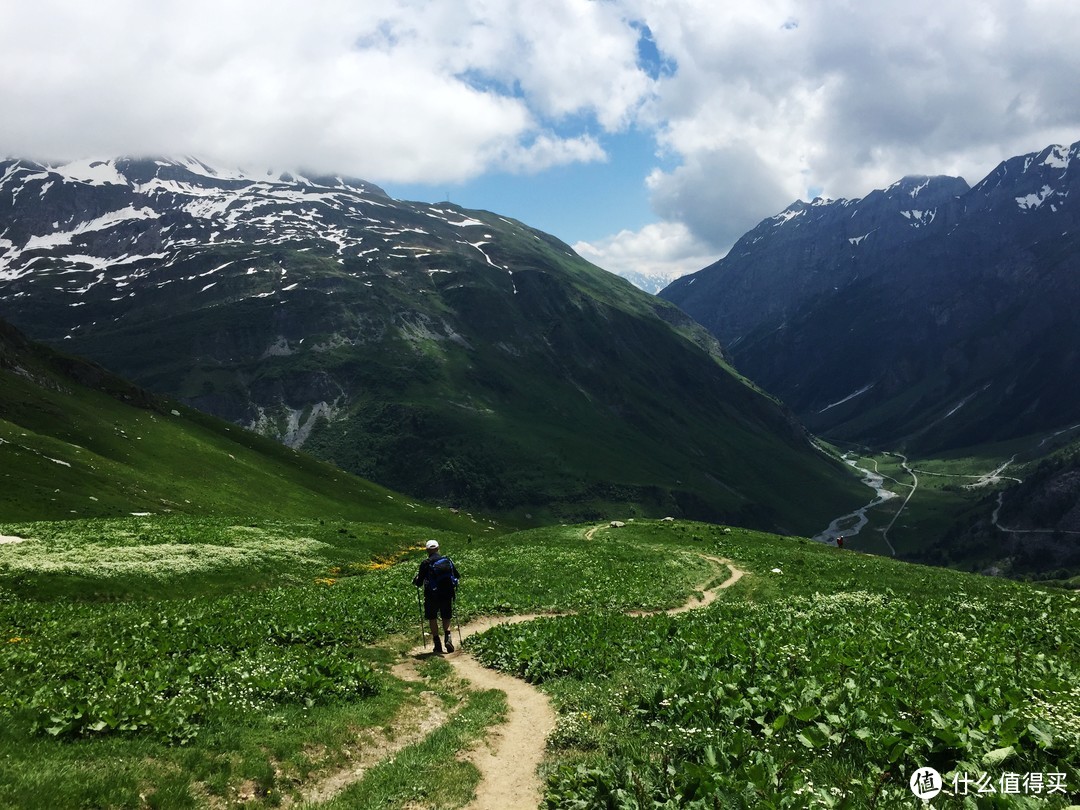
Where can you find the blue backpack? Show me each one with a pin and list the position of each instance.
(442, 576)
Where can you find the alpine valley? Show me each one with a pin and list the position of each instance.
(197, 616)
(454, 355)
(933, 319)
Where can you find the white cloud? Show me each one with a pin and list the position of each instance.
(778, 99)
(660, 252)
(566, 56)
(413, 90)
(547, 151)
(759, 102)
(719, 194)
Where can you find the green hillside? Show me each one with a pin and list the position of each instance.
(822, 678)
(558, 391)
(194, 616)
(78, 442)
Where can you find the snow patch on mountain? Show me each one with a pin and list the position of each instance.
(462, 221)
(101, 223)
(1057, 157)
(915, 191)
(787, 215)
(92, 172)
(1030, 202)
(919, 218)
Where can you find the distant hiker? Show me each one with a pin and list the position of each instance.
(840, 541)
(439, 578)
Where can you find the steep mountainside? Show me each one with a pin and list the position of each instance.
(450, 354)
(928, 314)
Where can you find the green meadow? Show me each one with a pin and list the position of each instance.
(182, 661)
(193, 616)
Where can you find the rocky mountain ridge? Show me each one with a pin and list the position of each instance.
(930, 315)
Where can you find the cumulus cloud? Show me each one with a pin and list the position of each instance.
(412, 90)
(750, 103)
(718, 194)
(778, 100)
(547, 150)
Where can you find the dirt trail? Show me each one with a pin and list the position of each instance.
(711, 594)
(509, 758)
(374, 746)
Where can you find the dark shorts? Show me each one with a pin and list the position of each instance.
(438, 604)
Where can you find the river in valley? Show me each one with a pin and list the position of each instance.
(851, 524)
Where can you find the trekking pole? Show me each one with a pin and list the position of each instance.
(420, 605)
(457, 621)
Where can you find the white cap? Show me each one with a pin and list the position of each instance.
(431, 544)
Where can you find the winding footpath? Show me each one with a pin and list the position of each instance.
(509, 758)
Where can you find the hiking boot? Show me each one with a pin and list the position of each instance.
(449, 642)
(438, 646)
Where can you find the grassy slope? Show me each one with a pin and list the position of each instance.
(105, 449)
(824, 679)
(823, 685)
(567, 432)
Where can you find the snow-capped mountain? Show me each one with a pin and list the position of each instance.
(92, 216)
(928, 312)
(447, 353)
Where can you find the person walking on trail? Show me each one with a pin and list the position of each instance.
(439, 577)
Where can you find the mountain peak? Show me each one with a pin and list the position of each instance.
(1058, 156)
(979, 285)
(139, 172)
(1025, 183)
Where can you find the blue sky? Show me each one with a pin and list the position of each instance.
(576, 203)
(648, 134)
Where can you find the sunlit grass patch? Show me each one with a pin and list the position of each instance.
(431, 773)
(183, 555)
(557, 570)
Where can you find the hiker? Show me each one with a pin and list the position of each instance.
(840, 541)
(440, 578)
